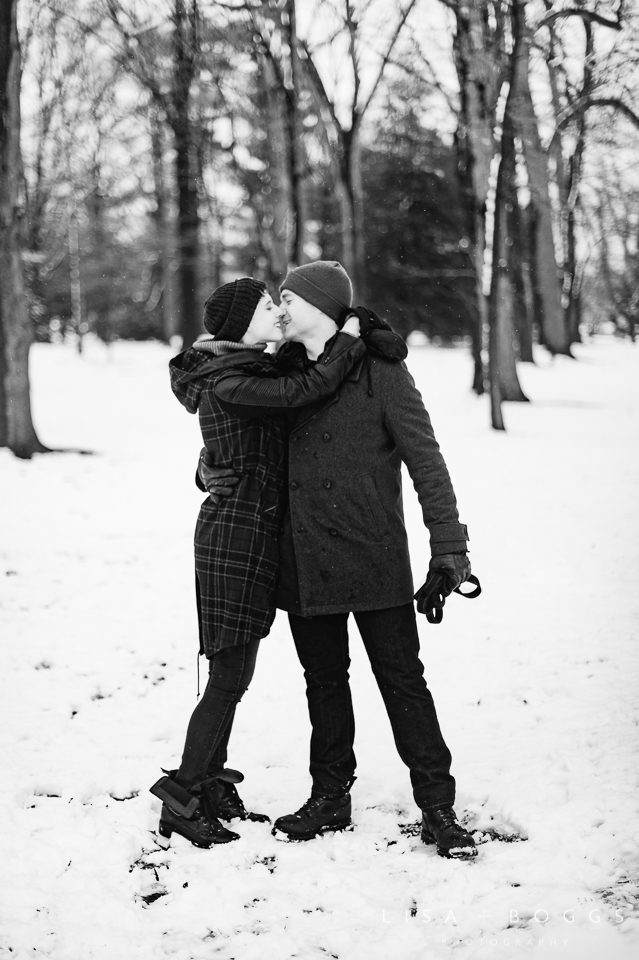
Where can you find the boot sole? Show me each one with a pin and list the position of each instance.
(166, 830)
(455, 853)
(292, 838)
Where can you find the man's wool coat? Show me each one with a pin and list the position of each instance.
(343, 545)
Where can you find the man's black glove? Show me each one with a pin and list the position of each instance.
(377, 334)
(219, 482)
(455, 567)
(445, 574)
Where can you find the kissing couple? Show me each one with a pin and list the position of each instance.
(302, 460)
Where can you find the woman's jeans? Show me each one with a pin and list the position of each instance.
(392, 644)
(207, 736)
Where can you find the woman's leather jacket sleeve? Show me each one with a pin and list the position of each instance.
(244, 395)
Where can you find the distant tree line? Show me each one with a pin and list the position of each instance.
(236, 163)
(480, 192)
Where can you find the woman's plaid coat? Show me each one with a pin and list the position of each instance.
(236, 558)
(236, 543)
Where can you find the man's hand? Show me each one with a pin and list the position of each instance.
(455, 567)
(445, 574)
(220, 482)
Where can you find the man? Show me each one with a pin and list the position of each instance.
(343, 549)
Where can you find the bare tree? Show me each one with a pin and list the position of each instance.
(142, 52)
(480, 61)
(274, 26)
(554, 330)
(571, 110)
(504, 383)
(16, 425)
(617, 256)
(345, 137)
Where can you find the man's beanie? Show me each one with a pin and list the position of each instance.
(229, 310)
(323, 283)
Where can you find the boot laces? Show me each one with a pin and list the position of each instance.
(312, 803)
(447, 817)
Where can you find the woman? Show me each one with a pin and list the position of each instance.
(236, 559)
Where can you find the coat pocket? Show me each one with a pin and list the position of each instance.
(375, 505)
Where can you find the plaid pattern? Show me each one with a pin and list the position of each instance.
(236, 553)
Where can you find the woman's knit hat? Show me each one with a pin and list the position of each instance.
(229, 310)
(323, 283)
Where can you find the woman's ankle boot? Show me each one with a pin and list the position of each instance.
(188, 813)
(225, 801)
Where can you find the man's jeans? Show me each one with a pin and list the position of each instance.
(207, 737)
(392, 644)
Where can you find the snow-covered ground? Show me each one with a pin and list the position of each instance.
(536, 686)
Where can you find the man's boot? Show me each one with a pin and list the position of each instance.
(318, 815)
(440, 826)
(188, 813)
(224, 799)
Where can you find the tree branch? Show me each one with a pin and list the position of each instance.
(380, 73)
(580, 106)
(317, 82)
(587, 15)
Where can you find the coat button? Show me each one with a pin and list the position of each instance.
(333, 532)
(293, 484)
(327, 484)
(326, 437)
(293, 438)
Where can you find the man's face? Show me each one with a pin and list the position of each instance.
(299, 316)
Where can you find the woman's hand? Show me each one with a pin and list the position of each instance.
(351, 326)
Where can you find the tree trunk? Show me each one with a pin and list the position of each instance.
(276, 238)
(504, 383)
(571, 287)
(503, 367)
(346, 219)
(184, 131)
(479, 321)
(476, 49)
(16, 426)
(75, 286)
(356, 190)
(524, 274)
(556, 153)
(163, 236)
(188, 223)
(552, 321)
(496, 413)
(570, 265)
(295, 145)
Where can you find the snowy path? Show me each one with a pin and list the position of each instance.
(536, 687)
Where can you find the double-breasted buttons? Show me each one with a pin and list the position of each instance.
(327, 483)
(293, 484)
(327, 436)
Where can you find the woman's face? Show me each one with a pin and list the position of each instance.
(264, 326)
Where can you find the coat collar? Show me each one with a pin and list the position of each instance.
(356, 372)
